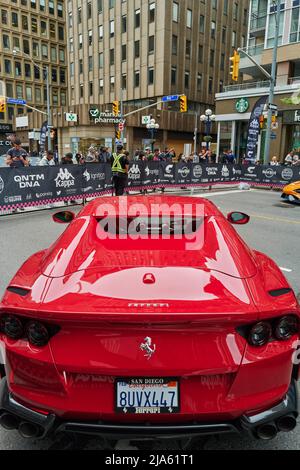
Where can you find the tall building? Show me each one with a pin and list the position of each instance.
(233, 119)
(32, 36)
(148, 49)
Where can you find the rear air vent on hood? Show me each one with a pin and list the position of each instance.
(280, 292)
(18, 290)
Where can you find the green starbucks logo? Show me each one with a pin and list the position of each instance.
(242, 105)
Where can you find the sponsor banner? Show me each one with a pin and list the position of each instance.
(167, 174)
(151, 174)
(96, 178)
(183, 172)
(40, 185)
(43, 136)
(136, 174)
(254, 130)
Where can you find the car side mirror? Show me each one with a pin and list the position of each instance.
(64, 217)
(238, 218)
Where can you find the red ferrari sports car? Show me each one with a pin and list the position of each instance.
(123, 329)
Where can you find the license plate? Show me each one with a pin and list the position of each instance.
(147, 396)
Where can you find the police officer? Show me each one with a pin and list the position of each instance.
(119, 166)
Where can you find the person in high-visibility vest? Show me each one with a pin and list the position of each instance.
(120, 167)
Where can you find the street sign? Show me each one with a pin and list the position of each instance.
(274, 126)
(16, 101)
(146, 120)
(273, 107)
(119, 142)
(71, 117)
(166, 99)
(273, 136)
(121, 126)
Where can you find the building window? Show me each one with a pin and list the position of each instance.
(173, 76)
(111, 57)
(175, 12)
(14, 19)
(151, 45)
(51, 7)
(137, 18)
(136, 79)
(174, 44)
(101, 60)
(28, 93)
(150, 76)
(112, 84)
(112, 28)
(124, 52)
(189, 18)
(187, 79)
(89, 10)
(151, 12)
(188, 47)
(199, 82)
(124, 24)
(18, 69)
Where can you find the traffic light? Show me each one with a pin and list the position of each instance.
(2, 104)
(235, 67)
(116, 108)
(183, 104)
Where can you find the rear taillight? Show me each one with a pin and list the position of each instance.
(286, 327)
(36, 332)
(260, 334)
(12, 327)
(276, 329)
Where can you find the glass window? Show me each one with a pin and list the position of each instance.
(175, 12)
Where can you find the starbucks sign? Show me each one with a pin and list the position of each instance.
(242, 105)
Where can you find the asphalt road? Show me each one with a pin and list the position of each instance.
(274, 229)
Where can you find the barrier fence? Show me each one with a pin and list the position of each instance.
(36, 186)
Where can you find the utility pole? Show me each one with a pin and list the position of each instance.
(122, 114)
(48, 107)
(196, 133)
(272, 84)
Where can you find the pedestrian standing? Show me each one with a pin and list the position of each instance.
(274, 161)
(120, 167)
(48, 159)
(17, 157)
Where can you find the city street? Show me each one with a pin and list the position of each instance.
(274, 230)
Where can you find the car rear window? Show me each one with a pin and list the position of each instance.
(144, 225)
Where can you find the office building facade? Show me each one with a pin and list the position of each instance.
(233, 118)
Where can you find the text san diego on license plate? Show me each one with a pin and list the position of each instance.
(147, 395)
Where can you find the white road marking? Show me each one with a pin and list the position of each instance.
(286, 270)
(221, 193)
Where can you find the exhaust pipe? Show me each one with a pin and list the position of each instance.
(266, 431)
(9, 422)
(29, 430)
(286, 423)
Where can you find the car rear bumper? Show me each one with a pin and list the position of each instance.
(50, 424)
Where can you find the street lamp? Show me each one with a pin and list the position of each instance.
(152, 127)
(208, 118)
(45, 70)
